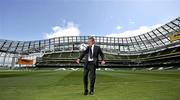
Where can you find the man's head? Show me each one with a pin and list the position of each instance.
(91, 41)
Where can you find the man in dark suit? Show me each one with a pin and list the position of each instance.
(91, 53)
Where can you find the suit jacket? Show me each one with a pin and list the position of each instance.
(96, 52)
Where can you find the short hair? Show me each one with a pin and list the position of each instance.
(91, 38)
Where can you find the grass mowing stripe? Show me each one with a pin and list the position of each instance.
(67, 85)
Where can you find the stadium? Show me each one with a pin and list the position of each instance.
(89, 50)
(142, 67)
(157, 48)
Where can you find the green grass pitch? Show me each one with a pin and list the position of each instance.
(110, 85)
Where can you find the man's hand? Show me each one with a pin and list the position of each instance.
(78, 61)
(103, 62)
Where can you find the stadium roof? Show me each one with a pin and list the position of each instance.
(157, 39)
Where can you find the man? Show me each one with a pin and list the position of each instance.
(91, 62)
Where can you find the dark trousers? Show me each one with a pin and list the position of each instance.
(90, 70)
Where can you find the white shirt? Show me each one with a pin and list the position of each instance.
(92, 48)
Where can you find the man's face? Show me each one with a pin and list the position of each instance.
(90, 42)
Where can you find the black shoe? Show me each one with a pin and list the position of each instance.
(91, 93)
(85, 93)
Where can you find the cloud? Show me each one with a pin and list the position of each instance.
(129, 33)
(70, 29)
(118, 27)
(131, 21)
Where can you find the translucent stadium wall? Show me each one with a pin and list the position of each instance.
(157, 39)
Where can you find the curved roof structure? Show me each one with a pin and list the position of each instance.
(157, 39)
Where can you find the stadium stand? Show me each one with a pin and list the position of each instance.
(157, 48)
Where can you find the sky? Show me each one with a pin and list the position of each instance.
(26, 20)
